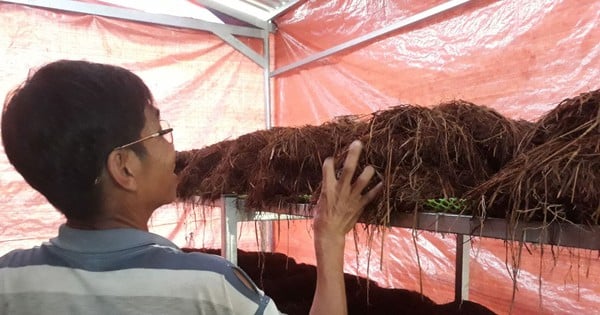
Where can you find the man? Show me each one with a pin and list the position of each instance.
(89, 138)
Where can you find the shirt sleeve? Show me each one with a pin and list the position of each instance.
(271, 309)
(266, 305)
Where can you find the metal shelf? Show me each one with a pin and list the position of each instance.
(561, 234)
(464, 227)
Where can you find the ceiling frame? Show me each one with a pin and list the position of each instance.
(361, 40)
(242, 16)
(140, 16)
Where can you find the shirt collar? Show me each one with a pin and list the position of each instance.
(110, 240)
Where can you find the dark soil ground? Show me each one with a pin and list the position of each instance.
(292, 287)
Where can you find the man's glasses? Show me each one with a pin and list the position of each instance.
(165, 131)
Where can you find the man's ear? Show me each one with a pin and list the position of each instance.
(121, 166)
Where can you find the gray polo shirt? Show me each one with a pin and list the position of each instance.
(122, 271)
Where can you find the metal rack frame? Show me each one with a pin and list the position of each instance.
(464, 227)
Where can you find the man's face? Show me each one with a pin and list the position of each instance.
(159, 182)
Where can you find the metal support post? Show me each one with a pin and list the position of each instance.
(461, 281)
(267, 236)
(229, 219)
(266, 227)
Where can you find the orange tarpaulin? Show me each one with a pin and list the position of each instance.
(520, 57)
(206, 89)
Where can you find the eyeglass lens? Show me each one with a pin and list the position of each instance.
(169, 135)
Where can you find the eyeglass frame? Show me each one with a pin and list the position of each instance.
(159, 133)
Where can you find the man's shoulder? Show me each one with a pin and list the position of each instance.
(147, 257)
(169, 258)
(22, 257)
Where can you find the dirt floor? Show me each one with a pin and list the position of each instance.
(292, 286)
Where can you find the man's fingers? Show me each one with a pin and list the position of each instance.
(363, 179)
(350, 163)
(371, 194)
(328, 174)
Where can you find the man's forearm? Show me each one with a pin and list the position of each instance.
(330, 294)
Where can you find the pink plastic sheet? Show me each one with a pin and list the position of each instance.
(519, 57)
(207, 90)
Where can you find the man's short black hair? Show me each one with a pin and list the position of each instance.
(60, 125)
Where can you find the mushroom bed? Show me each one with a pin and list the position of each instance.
(292, 286)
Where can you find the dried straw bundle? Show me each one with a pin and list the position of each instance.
(182, 159)
(238, 163)
(289, 166)
(195, 165)
(419, 154)
(571, 119)
(496, 137)
(559, 179)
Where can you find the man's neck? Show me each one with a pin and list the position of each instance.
(107, 223)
